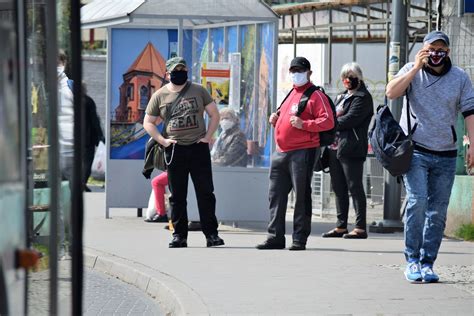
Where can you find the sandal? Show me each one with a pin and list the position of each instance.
(356, 235)
(334, 234)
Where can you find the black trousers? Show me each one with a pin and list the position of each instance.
(89, 153)
(194, 160)
(291, 170)
(346, 176)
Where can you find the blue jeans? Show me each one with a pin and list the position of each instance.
(428, 184)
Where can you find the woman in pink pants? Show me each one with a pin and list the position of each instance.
(158, 184)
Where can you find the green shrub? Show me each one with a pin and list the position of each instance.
(466, 232)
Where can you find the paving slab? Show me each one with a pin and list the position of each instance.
(332, 277)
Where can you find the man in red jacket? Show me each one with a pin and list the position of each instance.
(297, 147)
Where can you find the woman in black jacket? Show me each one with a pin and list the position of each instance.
(354, 110)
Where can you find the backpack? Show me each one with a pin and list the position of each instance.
(70, 84)
(392, 148)
(326, 138)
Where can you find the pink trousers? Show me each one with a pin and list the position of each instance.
(158, 184)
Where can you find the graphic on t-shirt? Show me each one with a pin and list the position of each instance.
(185, 115)
(294, 108)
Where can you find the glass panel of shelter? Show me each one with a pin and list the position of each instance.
(245, 87)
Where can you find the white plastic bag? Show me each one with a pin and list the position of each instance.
(98, 165)
(151, 210)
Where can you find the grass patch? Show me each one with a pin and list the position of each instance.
(43, 263)
(466, 232)
(95, 182)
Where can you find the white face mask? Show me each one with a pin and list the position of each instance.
(60, 70)
(226, 124)
(299, 78)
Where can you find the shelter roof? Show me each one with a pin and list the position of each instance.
(166, 13)
(365, 20)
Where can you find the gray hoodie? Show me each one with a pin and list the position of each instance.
(435, 102)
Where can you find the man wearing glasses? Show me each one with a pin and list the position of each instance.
(437, 91)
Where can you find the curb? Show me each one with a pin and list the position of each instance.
(175, 297)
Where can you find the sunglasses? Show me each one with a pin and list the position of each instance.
(438, 53)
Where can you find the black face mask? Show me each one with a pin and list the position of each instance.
(437, 59)
(179, 77)
(440, 62)
(354, 82)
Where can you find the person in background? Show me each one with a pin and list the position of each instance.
(93, 134)
(66, 145)
(354, 110)
(186, 148)
(437, 91)
(292, 163)
(159, 184)
(230, 148)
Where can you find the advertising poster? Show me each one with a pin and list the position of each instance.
(234, 89)
(257, 90)
(137, 71)
(217, 45)
(215, 77)
(247, 91)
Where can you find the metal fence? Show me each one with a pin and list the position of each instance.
(323, 197)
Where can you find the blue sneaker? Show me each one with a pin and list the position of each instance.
(428, 275)
(412, 271)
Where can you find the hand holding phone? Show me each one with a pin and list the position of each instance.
(421, 58)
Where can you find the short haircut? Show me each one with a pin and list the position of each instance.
(352, 68)
(229, 112)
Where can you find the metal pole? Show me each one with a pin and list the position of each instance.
(392, 188)
(180, 37)
(52, 92)
(330, 50)
(354, 41)
(77, 203)
(294, 42)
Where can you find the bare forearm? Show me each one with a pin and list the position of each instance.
(212, 126)
(153, 132)
(397, 87)
(470, 128)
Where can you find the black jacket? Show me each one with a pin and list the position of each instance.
(93, 129)
(353, 124)
(150, 152)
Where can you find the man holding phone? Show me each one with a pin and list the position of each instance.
(437, 92)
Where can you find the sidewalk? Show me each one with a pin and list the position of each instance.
(333, 276)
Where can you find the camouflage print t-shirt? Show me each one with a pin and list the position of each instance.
(187, 123)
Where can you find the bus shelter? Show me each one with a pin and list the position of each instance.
(231, 49)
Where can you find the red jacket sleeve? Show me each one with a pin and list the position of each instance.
(318, 114)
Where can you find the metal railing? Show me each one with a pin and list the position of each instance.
(323, 197)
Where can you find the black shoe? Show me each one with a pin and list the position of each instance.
(271, 243)
(214, 240)
(157, 219)
(194, 226)
(178, 242)
(296, 245)
(356, 235)
(334, 234)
